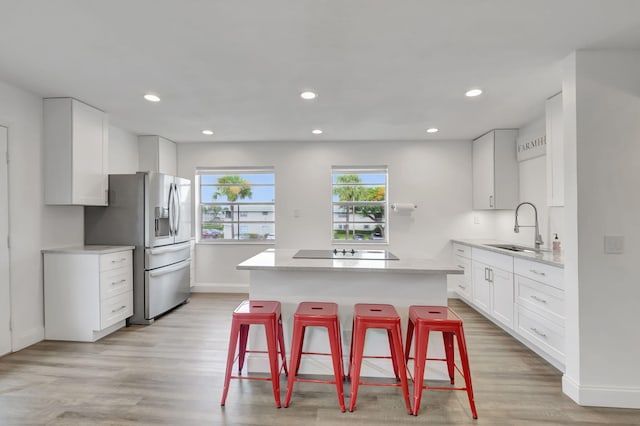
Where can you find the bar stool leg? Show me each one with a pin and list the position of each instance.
(398, 357)
(273, 359)
(447, 336)
(296, 350)
(244, 332)
(231, 354)
(357, 344)
(421, 346)
(408, 342)
(394, 361)
(283, 353)
(462, 347)
(336, 357)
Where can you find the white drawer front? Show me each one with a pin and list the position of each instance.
(542, 272)
(463, 282)
(545, 334)
(495, 260)
(116, 260)
(546, 300)
(115, 281)
(462, 250)
(116, 309)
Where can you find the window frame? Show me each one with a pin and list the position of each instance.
(384, 170)
(235, 221)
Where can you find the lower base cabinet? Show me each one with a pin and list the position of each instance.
(88, 291)
(523, 297)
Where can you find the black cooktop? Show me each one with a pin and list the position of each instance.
(345, 254)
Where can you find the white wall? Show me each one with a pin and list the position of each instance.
(436, 175)
(601, 103)
(123, 151)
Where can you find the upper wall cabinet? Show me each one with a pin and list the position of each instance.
(75, 153)
(495, 170)
(555, 151)
(157, 154)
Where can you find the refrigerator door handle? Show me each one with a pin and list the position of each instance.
(176, 196)
(171, 207)
(167, 270)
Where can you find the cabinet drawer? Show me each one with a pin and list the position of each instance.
(463, 282)
(115, 281)
(462, 250)
(546, 300)
(495, 260)
(545, 334)
(119, 259)
(116, 309)
(544, 273)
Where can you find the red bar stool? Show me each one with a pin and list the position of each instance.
(422, 321)
(316, 314)
(256, 312)
(366, 316)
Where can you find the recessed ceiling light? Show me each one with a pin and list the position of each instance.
(151, 97)
(207, 132)
(432, 130)
(473, 92)
(316, 131)
(308, 95)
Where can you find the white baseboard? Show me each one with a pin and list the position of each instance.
(26, 338)
(601, 396)
(452, 294)
(220, 288)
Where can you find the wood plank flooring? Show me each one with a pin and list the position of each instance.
(171, 373)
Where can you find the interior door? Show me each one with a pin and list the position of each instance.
(5, 285)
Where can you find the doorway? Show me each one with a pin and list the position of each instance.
(5, 284)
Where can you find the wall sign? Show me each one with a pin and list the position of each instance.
(528, 147)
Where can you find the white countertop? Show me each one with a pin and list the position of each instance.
(547, 257)
(92, 249)
(282, 260)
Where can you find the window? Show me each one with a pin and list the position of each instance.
(359, 204)
(236, 204)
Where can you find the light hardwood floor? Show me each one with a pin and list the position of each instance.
(171, 373)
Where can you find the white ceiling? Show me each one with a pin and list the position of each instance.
(383, 69)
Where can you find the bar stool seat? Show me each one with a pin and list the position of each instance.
(382, 316)
(422, 321)
(256, 312)
(316, 314)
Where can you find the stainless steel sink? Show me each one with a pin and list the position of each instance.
(513, 247)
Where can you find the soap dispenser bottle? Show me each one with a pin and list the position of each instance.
(556, 245)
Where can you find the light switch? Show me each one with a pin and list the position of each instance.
(613, 244)
(476, 220)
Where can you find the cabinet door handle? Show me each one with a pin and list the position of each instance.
(490, 200)
(538, 332)
(534, 297)
(113, 311)
(123, 259)
(460, 266)
(462, 286)
(118, 282)
(490, 275)
(538, 272)
(486, 274)
(460, 250)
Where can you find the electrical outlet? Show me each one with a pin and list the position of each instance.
(476, 220)
(614, 244)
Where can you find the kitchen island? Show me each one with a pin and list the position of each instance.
(346, 280)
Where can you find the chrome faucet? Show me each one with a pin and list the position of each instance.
(538, 238)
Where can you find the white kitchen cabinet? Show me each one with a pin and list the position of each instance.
(75, 153)
(460, 284)
(88, 291)
(493, 285)
(540, 308)
(495, 170)
(157, 154)
(555, 151)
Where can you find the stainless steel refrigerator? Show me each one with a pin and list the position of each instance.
(151, 211)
